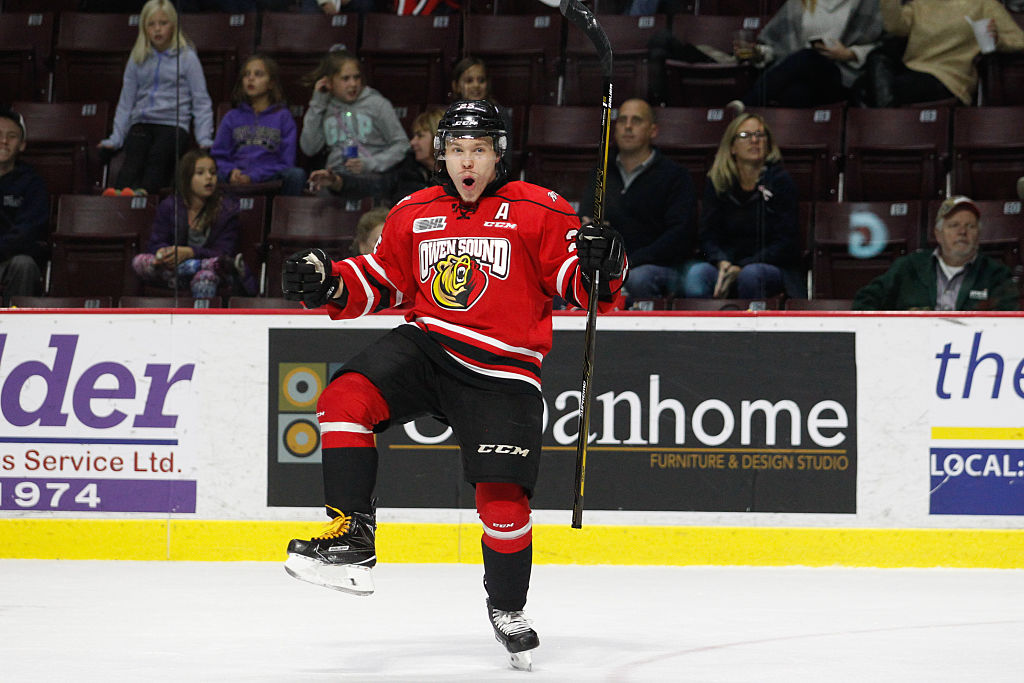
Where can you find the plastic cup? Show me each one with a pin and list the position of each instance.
(985, 40)
(743, 45)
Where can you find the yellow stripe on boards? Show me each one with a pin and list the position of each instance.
(978, 433)
(197, 540)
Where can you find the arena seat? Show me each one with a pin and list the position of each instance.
(561, 148)
(838, 270)
(222, 41)
(628, 36)
(522, 53)
(61, 302)
(697, 84)
(736, 8)
(408, 58)
(819, 304)
(62, 143)
(688, 304)
(298, 42)
(811, 141)
(1002, 75)
(26, 47)
(169, 301)
(90, 55)
(690, 136)
(988, 151)
(896, 153)
(303, 222)
(94, 242)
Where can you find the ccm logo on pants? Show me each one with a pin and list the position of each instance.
(502, 449)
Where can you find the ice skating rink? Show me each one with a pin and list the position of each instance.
(248, 621)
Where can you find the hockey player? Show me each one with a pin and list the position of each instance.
(480, 258)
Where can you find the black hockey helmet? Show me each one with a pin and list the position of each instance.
(471, 119)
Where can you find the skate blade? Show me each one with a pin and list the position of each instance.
(347, 578)
(522, 661)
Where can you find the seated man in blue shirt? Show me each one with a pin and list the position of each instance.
(650, 200)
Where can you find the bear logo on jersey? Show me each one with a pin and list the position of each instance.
(458, 282)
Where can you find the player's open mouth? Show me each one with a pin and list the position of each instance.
(469, 182)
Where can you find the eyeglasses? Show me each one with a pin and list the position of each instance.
(757, 134)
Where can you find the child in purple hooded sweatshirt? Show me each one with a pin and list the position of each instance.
(256, 141)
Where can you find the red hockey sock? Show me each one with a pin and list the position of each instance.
(348, 409)
(505, 513)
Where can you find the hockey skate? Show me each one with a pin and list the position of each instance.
(512, 630)
(340, 558)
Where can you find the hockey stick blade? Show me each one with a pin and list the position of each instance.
(580, 15)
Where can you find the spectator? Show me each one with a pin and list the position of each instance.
(356, 124)
(470, 82)
(816, 49)
(194, 242)
(369, 229)
(414, 172)
(941, 48)
(151, 121)
(749, 220)
(24, 214)
(256, 141)
(951, 277)
(649, 200)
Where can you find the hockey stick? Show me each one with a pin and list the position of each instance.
(582, 17)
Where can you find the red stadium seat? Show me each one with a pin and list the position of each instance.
(301, 222)
(988, 151)
(298, 42)
(26, 46)
(408, 58)
(849, 253)
(561, 149)
(522, 53)
(894, 154)
(94, 242)
(629, 37)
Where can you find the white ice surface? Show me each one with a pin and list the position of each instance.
(248, 621)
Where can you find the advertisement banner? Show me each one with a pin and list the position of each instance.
(93, 427)
(976, 459)
(702, 421)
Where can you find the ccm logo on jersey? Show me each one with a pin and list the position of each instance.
(428, 224)
(502, 449)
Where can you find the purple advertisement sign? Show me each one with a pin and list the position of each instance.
(97, 495)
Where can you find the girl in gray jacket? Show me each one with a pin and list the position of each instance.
(356, 124)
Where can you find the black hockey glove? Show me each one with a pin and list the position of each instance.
(306, 277)
(599, 247)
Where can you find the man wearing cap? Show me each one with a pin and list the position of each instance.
(24, 214)
(952, 277)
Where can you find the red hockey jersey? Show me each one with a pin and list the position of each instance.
(480, 278)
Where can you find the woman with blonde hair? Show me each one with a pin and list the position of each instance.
(749, 220)
(163, 88)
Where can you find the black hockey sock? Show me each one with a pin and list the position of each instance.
(507, 577)
(350, 475)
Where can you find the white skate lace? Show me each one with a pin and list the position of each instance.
(510, 623)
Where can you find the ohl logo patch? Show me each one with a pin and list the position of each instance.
(458, 283)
